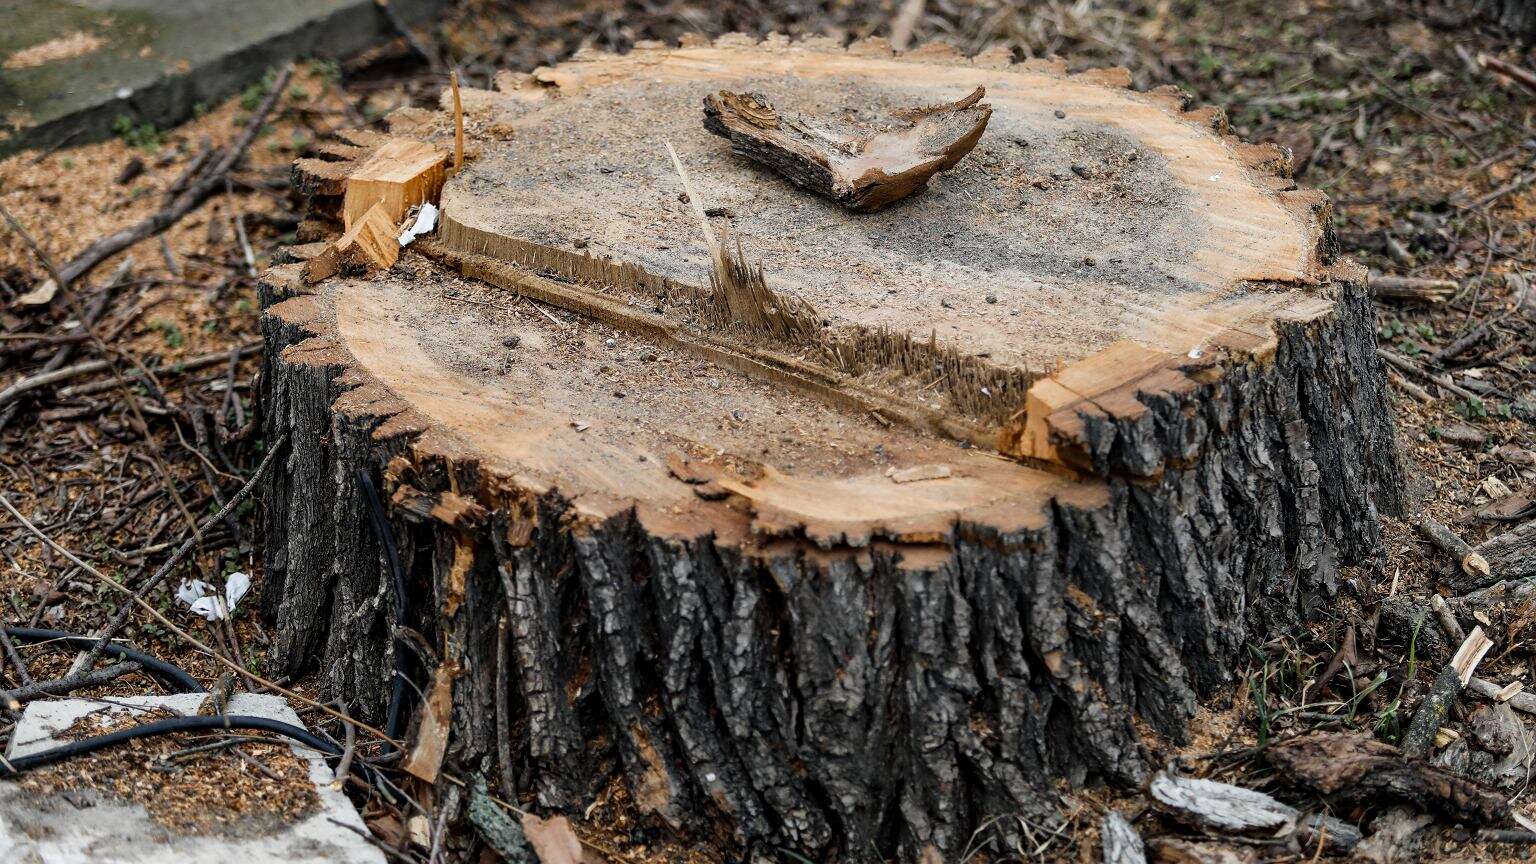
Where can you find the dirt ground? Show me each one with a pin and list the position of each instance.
(1428, 155)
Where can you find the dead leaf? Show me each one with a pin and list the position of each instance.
(388, 827)
(552, 839)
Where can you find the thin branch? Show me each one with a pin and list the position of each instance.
(69, 683)
(196, 193)
(176, 629)
(181, 553)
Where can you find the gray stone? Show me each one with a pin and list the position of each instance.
(69, 828)
(69, 70)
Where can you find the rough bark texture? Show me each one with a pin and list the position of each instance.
(833, 700)
(1517, 15)
(847, 703)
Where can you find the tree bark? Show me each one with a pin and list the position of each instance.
(833, 701)
(1519, 16)
(852, 700)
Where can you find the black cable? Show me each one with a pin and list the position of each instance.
(175, 724)
(167, 673)
(395, 724)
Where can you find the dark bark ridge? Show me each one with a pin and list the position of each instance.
(836, 700)
(1517, 15)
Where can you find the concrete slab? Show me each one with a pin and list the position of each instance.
(55, 829)
(70, 68)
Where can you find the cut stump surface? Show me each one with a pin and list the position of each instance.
(1005, 467)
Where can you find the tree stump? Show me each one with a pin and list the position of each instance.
(866, 531)
(1516, 15)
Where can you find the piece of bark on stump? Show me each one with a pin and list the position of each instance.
(713, 588)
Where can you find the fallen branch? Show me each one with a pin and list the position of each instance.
(180, 555)
(1471, 561)
(1511, 556)
(1518, 74)
(69, 683)
(196, 193)
(1472, 337)
(1236, 811)
(1412, 368)
(1520, 701)
(198, 362)
(1219, 807)
(1509, 188)
(89, 367)
(14, 656)
(1420, 737)
(1360, 769)
(1448, 623)
(1409, 387)
(1413, 288)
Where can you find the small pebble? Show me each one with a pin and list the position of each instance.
(1089, 262)
(618, 394)
(991, 298)
(609, 343)
(512, 341)
(944, 301)
(1081, 171)
(1060, 114)
(1014, 312)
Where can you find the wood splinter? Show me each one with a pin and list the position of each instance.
(861, 169)
(369, 243)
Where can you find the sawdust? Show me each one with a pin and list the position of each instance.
(207, 793)
(71, 197)
(76, 44)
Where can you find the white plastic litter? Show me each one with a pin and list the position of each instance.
(201, 598)
(426, 220)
